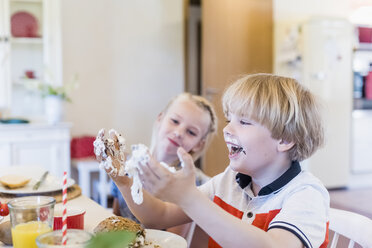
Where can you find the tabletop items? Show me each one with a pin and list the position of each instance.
(75, 238)
(74, 219)
(95, 214)
(31, 212)
(42, 179)
(131, 233)
(23, 178)
(64, 212)
(35, 222)
(29, 217)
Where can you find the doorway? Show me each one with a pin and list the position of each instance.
(225, 40)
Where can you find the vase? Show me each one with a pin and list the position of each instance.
(53, 109)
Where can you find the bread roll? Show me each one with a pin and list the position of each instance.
(118, 223)
(14, 181)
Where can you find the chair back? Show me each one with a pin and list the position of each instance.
(355, 227)
(82, 147)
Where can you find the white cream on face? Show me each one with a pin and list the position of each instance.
(231, 140)
(233, 145)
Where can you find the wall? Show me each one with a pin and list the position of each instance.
(129, 59)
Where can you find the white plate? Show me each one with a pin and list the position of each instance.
(164, 239)
(50, 184)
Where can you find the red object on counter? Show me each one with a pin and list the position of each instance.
(4, 210)
(75, 219)
(365, 34)
(368, 86)
(30, 74)
(82, 147)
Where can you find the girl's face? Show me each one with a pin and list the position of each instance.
(252, 150)
(184, 124)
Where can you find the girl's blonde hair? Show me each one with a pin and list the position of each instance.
(205, 105)
(283, 106)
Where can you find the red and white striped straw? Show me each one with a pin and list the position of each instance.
(64, 215)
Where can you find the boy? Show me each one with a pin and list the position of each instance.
(263, 198)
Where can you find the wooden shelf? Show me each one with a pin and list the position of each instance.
(362, 103)
(26, 1)
(25, 40)
(363, 47)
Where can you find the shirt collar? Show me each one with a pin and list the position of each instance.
(243, 180)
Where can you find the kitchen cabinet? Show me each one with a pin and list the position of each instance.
(43, 145)
(37, 54)
(4, 56)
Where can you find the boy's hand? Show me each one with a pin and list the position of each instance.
(166, 185)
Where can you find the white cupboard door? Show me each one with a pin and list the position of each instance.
(5, 84)
(42, 154)
(52, 41)
(5, 158)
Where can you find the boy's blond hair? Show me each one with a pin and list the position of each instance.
(205, 105)
(282, 105)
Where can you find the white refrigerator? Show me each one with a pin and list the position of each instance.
(327, 47)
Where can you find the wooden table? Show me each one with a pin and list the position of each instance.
(95, 213)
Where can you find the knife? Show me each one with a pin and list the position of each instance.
(42, 179)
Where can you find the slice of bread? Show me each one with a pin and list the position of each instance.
(14, 181)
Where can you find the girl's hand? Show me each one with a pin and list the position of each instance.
(110, 153)
(166, 185)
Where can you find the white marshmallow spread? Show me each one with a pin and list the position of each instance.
(105, 149)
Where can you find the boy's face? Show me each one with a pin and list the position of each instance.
(251, 148)
(184, 124)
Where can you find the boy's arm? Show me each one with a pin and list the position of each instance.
(229, 231)
(226, 230)
(152, 213)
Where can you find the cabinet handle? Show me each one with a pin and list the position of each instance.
(4, 38)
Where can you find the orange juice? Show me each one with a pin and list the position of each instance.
(24, 234)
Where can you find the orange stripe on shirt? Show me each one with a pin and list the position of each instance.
(228, 208)
(263, 220)
(326, 238)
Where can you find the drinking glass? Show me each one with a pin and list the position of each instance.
(76, 238)
(30, 216)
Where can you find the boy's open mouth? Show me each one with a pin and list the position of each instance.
(234, 149)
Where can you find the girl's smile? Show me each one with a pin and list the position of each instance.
(173, 142)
